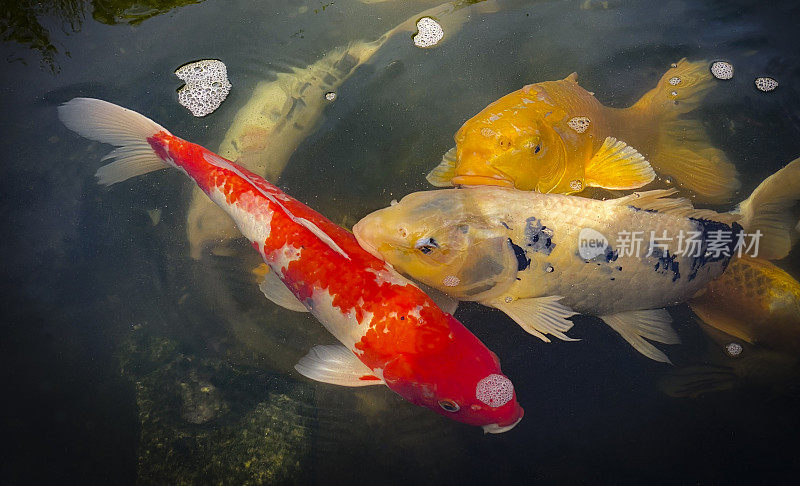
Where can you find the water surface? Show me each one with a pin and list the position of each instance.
(126, 359)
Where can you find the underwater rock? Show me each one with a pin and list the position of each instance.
(206, 86)
(204, 421)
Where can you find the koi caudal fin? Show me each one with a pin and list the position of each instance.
(682, 149)
(129, 131)
(769, 209)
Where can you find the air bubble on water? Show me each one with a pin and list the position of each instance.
(330, 96)
(766, 84)
(576, 185)
(579, 123)
(429, 32)
(206, 86)
(733, 349)
(673, 93)
(451, 281)
(675, 81)
(494, 390)
(722, 70)
(549, 268)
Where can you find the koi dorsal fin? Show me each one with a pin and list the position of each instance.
(218, 161)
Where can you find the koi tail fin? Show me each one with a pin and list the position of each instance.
(112, 124)
(769, 209)
(683, 150)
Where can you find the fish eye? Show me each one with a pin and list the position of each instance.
(426, 245)
(449, 405)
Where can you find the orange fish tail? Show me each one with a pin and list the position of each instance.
(683, 151)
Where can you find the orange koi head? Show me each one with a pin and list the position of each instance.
(510, 144)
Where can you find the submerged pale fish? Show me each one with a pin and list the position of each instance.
(281, 114)
(525, 253)
(391, 333)
(555, 136)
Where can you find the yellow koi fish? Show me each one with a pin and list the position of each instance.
(542, 258)
(556, 137)
(754, 301)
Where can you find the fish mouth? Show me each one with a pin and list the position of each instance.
(499, 429)
(476, 180)
(360, 232)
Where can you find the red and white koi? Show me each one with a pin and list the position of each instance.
(392, 332)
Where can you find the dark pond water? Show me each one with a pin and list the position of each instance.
(126, 360)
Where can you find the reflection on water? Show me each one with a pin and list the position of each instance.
(23, 21)
(131, 358)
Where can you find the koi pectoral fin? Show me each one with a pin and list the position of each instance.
(337, 365)
(443, 173)
(618, 166)
(637, 326)
(540, 316)
(275, 290)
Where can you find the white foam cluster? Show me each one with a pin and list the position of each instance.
(450, 281)
(722, 70)
(733, 349)
(206, 86)
(579, 123)
(766, 84)
(494, 390)
(429, 32)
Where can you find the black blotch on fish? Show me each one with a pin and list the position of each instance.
(539, 237)
(505, 225)
(666, 263)
(523, 261)
(703, 256)
(645, 210)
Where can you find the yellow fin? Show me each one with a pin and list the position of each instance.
(636, 326)
(443, 173)
(769, 210)
(540, 316)
(618, 166)
(572, 77)
(687, 84)
(684, 153)
(712, 314)
(660, 201)
(694, 381)
(683, 150)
